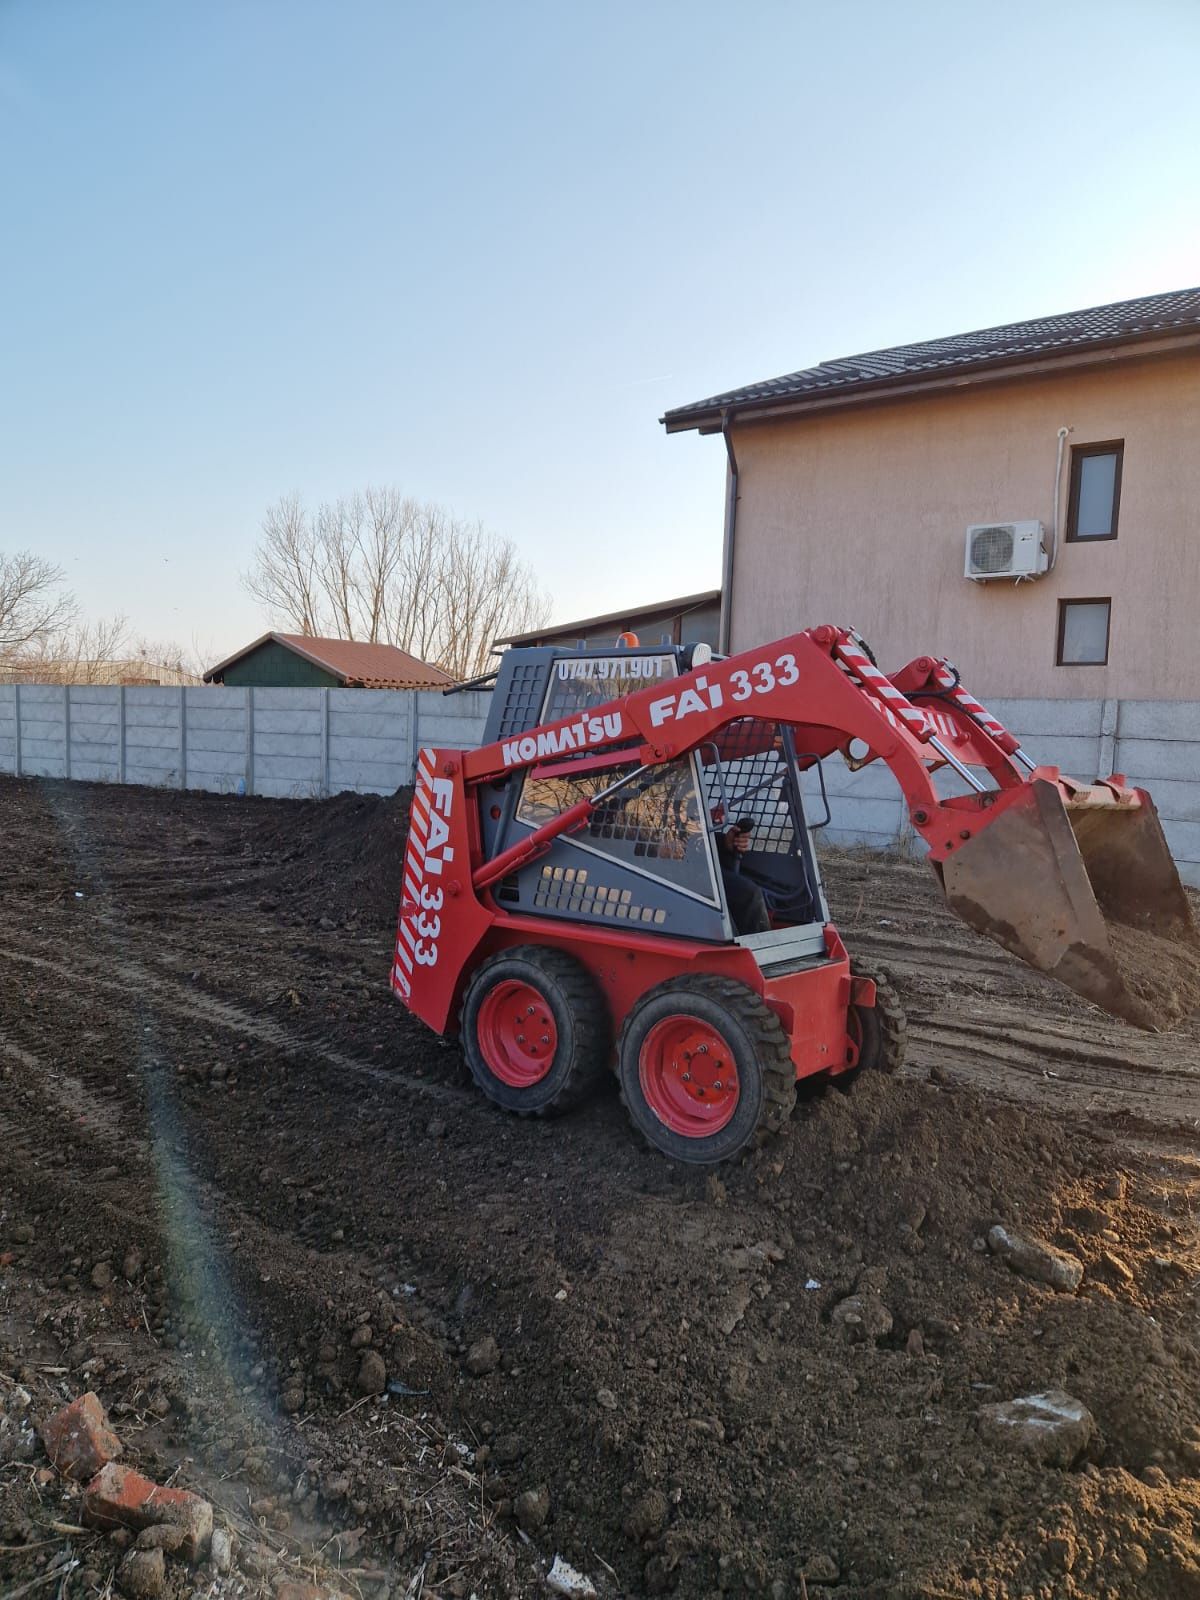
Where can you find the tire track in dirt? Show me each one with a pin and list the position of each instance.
(983, 1018)
(155, 990)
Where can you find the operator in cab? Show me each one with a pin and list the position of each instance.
(746, 902)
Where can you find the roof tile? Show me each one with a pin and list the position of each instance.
(1124, 319)
(358, 664)
(374, 666)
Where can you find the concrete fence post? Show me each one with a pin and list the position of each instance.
(1110, 715)
(121, 741)
(183, 736)
(414, 733)
(67, 729)
(325, 744)
(17, 726)
(249, 739)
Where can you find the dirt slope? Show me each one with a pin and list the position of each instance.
(200, 1060)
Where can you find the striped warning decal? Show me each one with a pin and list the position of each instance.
(896, 706)
(947, 676)
(414, 874)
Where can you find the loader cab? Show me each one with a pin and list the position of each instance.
(652, 856)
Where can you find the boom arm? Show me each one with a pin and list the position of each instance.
(823, 684)
(1074, 878)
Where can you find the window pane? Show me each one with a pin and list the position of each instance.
(1097, 485)
(655, 823)
(1085, 632)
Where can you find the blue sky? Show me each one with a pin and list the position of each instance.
(475, 250)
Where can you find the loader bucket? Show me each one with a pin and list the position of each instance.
(1080, 884)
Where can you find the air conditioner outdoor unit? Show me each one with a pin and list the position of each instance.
(1005, 550)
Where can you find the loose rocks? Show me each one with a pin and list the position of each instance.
(532, 1508)
(483, 1357)
(79, 1440)
(1116, 1267)
(221, 1550)
(648, 1516)
(821, 1568)
(862, 1318)
(1036, 1259)
(143, 1574)
(120, 1498)
(1052, 1426)
(166, 1536)
(563, 1579)
(372, 1373)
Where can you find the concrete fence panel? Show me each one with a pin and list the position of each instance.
(1160, 719)
(300, 743)
(95, 733)
(289, 743)
(8, 727)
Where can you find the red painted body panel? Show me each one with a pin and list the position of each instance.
(824, 685)
(446, 931)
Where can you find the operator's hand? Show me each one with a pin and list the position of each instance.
(739, 840)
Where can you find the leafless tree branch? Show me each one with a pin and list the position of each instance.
(382, 567)
(33, 604)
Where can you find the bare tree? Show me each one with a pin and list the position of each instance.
(103, 652)
(285, 576)
(86, 652)
(382, 567)
(33, 604)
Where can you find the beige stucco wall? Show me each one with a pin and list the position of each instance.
(859, 517)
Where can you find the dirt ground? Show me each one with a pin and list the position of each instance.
(240, 1190)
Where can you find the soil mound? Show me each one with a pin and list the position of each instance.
(795, 1357)
(813, 1364)
(341, 858)
(1161, 973)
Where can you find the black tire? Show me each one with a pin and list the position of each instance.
(760, 1052)
(883, 1029)
(581, 1048)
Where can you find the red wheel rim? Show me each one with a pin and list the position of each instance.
(688, 1076)
(516, 1033)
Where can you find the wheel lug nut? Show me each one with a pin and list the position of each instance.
(687, 1077)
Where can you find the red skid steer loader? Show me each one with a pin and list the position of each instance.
(624, 873)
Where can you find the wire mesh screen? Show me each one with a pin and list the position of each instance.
(745, 774)
(522, 705)
(653, 824)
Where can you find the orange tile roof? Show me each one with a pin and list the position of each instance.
(356, 663)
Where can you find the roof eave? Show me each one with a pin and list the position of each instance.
(685, 602)
(903, 385)
(222, 666)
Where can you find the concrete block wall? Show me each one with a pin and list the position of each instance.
(298, 743)
(287, 743)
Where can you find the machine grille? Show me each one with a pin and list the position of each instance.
(569, 889)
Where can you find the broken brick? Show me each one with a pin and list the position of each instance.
(79, 1440)
(121, 1498)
